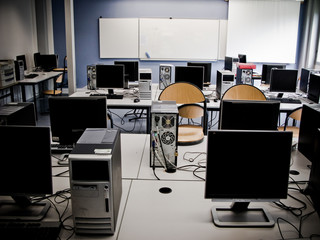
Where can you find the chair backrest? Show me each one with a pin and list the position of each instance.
(182, 93)
(191, 111)
(296, 114)
(244, 92)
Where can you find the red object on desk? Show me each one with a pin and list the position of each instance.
(246, 66)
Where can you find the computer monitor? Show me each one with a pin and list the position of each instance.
(25, 171)
(47, 62)
(309, 124)
(249, 115)
(131, 70)
(266, 71)
(207, 70)
(36, 59)
(242, 58)
(228, 61)
(314, 88)
(70, 116)
(23, 59)
(190, 74)
(110, 77)
(283, 80)
(238, 170)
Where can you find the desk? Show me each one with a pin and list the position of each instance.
(43, 76)
(145, 213)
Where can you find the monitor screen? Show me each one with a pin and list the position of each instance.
(207, 70)
(110, 76)
(266, 71)
(304, 80)
(131, 70)
(249, 115)
(190, 74)
(242, 58)
(314, 88)
(23, 59)
(283, 80)
(70, 116)
(238, 171)
(25, 164)
(228, 63)
(48, 61)
(36, 59)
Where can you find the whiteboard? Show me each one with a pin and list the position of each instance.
(178, 39)
(119, 37)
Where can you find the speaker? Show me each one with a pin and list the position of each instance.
(91, 77)
(245, 73)
(164, 135)
(165, 75)
(95, 181)
(19, 69)
(225, 80)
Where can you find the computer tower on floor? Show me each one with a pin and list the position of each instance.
(225, 80)
(96, 181)
(164, 135)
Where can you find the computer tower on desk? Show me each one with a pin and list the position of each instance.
(145, 83)
(7, 74)
(95, 181)
(91, 77)
(18, 113)
(225, 80)
(164, 135)
(165, 75)
(245, 73)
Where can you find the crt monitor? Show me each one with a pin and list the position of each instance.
(25, 171)
(238, 171)
(283, 80)
(314, 88)
(190, 74)
(266, 71)
(131, 70)
(249, 115)
(70, 116)
(207, 70)
(47, 62)
(23, 59)
(110, 76)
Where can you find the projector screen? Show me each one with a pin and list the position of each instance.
(264, 30)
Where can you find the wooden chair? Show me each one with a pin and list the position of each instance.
(189, 97)
(295, 116)
(244, 92)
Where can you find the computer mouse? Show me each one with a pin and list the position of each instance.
(136, 100)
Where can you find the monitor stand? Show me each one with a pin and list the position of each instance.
(20, 210)
(239, 215)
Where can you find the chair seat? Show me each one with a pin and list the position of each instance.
(189, 134)
(52, 92)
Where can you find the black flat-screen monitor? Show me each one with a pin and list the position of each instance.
(266, 71)
(242, 58)
(36, 59)
(304, 80)
(110, 76)
(25, 171)
(309, 124)
(70, 116)
(47, 62)
(131, 70)
(314, 88)
(190, 74)
(283, 80)
(239, 171)
(249, 115)
(228, 63)
(207, 70)
(23, 59)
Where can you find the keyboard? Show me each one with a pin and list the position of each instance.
(109, 96)
(32, 75)
(286, 100)
(60, 148)
(30, 230)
